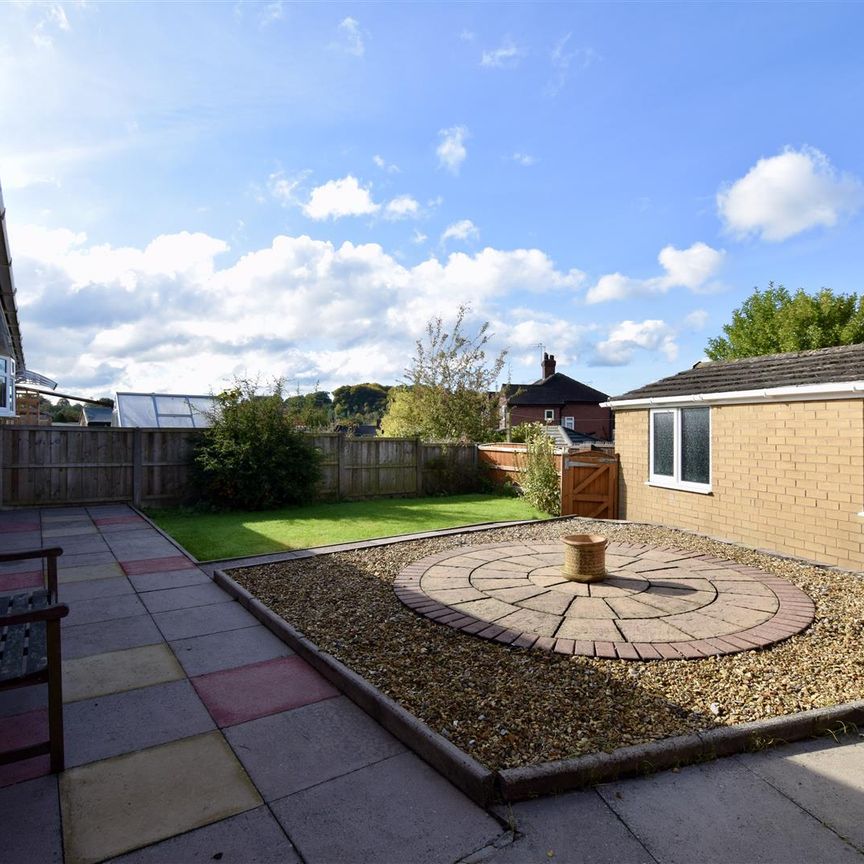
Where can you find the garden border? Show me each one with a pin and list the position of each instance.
(487, 787)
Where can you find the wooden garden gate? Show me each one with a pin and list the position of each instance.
(589, 485)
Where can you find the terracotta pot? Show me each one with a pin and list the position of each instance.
(584, 557)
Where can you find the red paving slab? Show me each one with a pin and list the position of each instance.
(22, 730)
(236, 695)
(22, 579)
(157, 565)
(18, 527)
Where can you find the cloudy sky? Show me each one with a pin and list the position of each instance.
(201, 191)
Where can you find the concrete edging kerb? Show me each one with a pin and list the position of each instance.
(487, 787)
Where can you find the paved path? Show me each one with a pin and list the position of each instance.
(654, 603)
(193, 734)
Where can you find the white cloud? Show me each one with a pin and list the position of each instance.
(173, 315)
(418, 237)
(284, 188)
(466, 35)
(338, 198)
(783, 195)
(402, 207)
(351, 37)
(524, 159)
(382, 163)
(626, 337)
(561, 59)
(506, 55)
(271, 13)
(464, 229)
(696, 320)
(691, 268)
(451, 150)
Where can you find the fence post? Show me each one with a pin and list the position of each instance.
(137, 466)
(340, 441)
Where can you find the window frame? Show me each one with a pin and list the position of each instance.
(548, 415)
(8, 409)
(675, 481)
(568, 422)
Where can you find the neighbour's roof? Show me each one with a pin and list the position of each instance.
(564, 437)
(556, 389)
(98, 414)
(823, 366)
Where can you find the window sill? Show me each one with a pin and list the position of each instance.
(681, 487)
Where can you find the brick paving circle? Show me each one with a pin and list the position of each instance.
(656, 603)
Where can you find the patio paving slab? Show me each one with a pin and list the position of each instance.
(117, 805)
(89, 572)
(238, 695)
(253, 837)
(148, 555)
(184, 598)
(297, 749)
(23, 699)
(101, 674)
(10, 582)
(823, 778)
(134, 720)
(34, 809)
(84, 559)
(82, 640)
(104, 609)
(23, 730)
(215, 651)
(722, 813)
(80, 528)
(417, 816)
(201, 620)
(75, 592)
(577, 829)
(169, 579)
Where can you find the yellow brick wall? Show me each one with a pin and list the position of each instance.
(785, 476)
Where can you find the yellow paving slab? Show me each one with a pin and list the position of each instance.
(116, 671)
(116, 805)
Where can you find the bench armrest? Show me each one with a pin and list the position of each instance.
(48, 613)
(53, 552)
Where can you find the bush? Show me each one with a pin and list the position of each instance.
(539, 478)
(252, 458)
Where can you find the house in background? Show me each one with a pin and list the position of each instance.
(557, 400)
(766, 451)
(11, 351)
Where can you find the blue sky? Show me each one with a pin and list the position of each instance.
(198, 191)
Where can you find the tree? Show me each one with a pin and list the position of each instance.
(447, 392)
(361, 403)
(538, 477)
(773, 321)
(310, 410)
(252, 457)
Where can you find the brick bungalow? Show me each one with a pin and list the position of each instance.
(558, 400)
(767, 451)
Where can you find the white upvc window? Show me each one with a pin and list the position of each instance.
(7, 386)
(679, 448)
(568, 422)
(549, 415)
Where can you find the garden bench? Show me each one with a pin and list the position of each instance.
(30, 651)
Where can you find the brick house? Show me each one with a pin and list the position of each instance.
(767, 451)
(11, 352)
(557, 400)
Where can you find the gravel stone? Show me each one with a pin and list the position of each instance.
(508, 706)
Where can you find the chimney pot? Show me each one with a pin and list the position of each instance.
(548, 365)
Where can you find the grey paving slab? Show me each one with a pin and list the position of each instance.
(185, 598)
(169, 579)
(80, 545)
(202, 654)
(201, 620)
(81, 640)
(578, 828)
(254, 837)
(60, 530)
(721, 812)
(287, 752)
(84, 559)
(74, 592)
(33, 808)
(122, 722)
(398, 810)
(104, 609)
(138, 545)
(824, 777)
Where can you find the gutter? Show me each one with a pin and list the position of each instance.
(795, 393)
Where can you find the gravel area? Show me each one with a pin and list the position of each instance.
(511, 707)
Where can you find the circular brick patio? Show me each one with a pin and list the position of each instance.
(657, 603)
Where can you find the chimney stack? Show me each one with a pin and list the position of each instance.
(548, 364)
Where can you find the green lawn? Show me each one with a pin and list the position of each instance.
(237, 533)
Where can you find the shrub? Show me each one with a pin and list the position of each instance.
(539, 477)
(252, 458)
